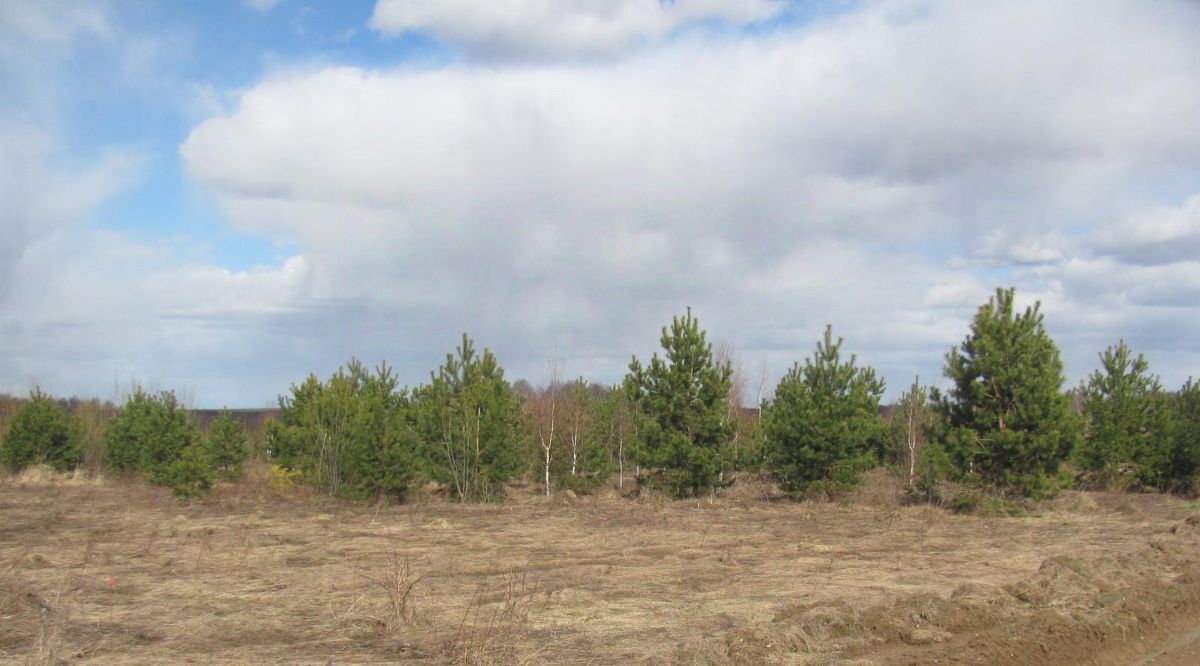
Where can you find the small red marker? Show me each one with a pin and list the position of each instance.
(112, 582)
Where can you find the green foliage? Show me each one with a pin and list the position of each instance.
(148, 434)
(41, 432)
(350, 435)
(682, 402)
(225, 445)
(1128, 421)
(469, 419)
(989, 506)
(823, 427)
(1006, 420)
(1185, 450)
(191, 474)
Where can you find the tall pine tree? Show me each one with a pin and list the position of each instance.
(681, 399)
(1006, 420)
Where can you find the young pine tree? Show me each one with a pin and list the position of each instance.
(225, 445)
(823, 428)
(681, 399)
(350, 435)
(1184, 471)
(41, 432)
(1006, 420)
(1127, 434)
(148, 434)
(470, 421)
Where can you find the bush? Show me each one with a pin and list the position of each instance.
(42, 432)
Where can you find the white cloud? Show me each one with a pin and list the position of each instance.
(54, 21)
(776, 184)
(557, 29)
(261, 6)
(41, 198)
(1163, 234)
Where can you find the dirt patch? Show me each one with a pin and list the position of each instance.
(118, 572)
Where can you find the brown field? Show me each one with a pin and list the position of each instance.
(117, 572)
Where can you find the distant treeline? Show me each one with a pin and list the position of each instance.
(675, 423)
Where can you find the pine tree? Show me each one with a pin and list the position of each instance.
(350, 435)
(42, 432)
(682, 401)
(148, 434)
(823, 427)
(225, 445)
(1185, 446)
(470, 421)
(1128, 421)
(189, 475)
(1006, 419)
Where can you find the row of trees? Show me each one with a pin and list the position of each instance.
(677, 423)
(150, 435)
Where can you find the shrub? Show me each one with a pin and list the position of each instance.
(41, 432)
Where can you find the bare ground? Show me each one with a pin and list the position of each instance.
(118, 572)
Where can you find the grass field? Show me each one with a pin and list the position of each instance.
(118, 572)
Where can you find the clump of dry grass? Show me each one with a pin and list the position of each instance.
(879, 488)
(397, 582)
(44, 475)
(492, 624)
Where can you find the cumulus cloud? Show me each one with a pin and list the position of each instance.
(1160, 235)
(559, 29)
(41, 198)
(831, 174)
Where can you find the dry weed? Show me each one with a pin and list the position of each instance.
(492, 623)
(397, 582)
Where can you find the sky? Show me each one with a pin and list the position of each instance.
(222, 197)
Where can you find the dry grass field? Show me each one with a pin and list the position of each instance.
(118, 572)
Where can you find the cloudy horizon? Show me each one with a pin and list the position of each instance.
(222, 199)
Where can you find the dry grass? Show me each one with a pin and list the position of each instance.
(253, 575)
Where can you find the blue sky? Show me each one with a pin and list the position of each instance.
(221, 197)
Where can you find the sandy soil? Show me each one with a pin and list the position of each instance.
(119, 572)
